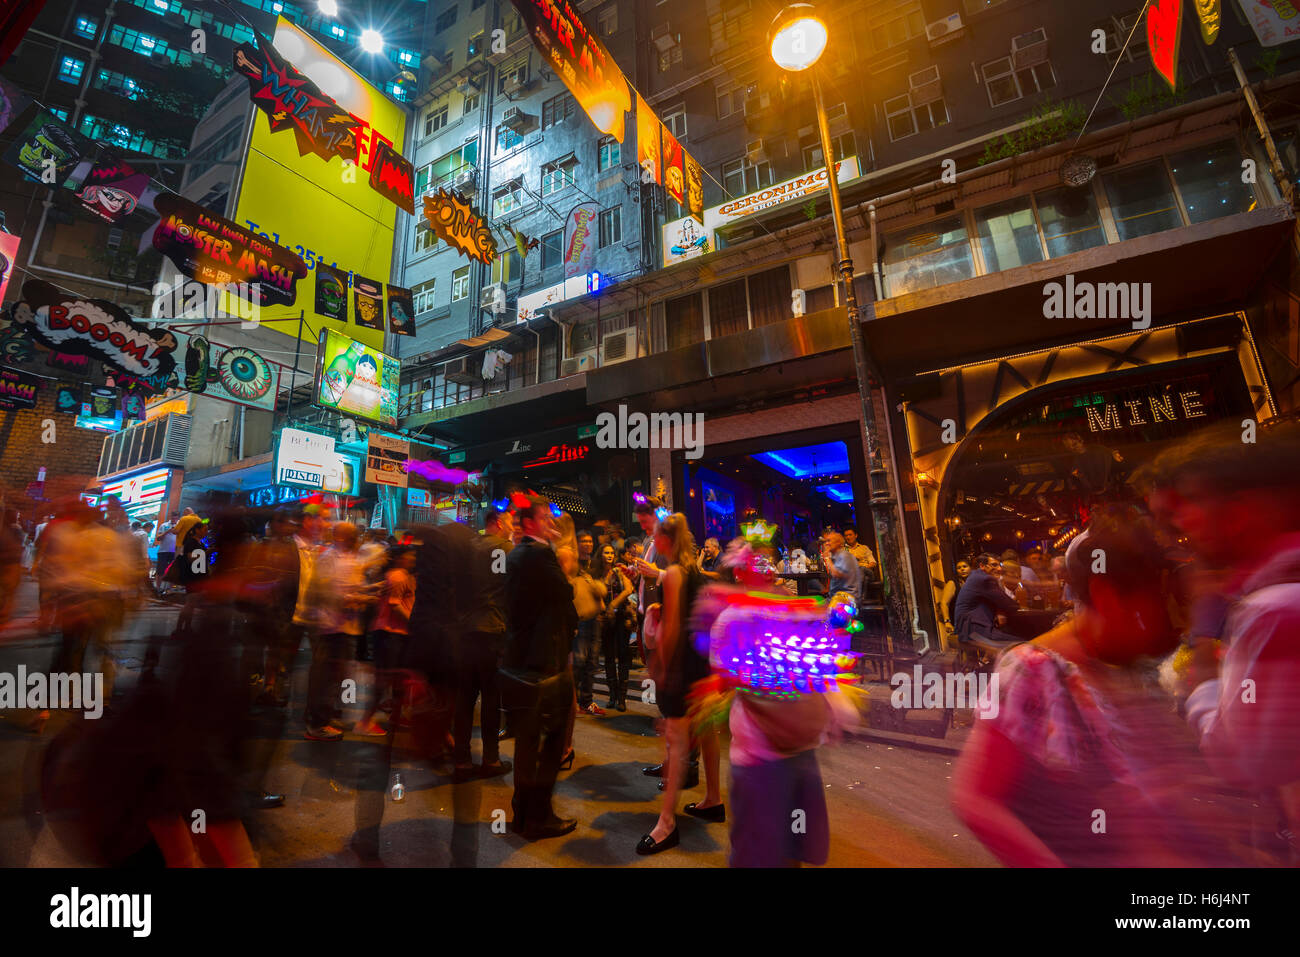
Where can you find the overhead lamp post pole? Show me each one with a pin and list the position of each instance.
(797, 41)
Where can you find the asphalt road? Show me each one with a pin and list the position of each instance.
(888, 800)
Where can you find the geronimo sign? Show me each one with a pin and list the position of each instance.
(211, 249)
(460, 226)
(580, 60)
(97, 329)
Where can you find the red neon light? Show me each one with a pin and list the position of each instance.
(561, 453)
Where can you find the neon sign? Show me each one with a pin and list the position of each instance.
(561, 453)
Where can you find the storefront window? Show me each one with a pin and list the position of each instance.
(1070, 220)
(684, 321)
(928, 256)
(1209, 179)
(769, 296)
(1142, 200)
(1008, 235)
(728, 309)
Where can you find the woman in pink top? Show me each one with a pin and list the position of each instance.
(392, 620)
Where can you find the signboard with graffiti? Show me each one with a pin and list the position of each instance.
(580, 239)
(17, 389)
(460, 226)
(231, 373)
(212, 249)
(112, 190)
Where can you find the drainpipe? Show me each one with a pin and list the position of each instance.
(1274, 161)
(875, 258)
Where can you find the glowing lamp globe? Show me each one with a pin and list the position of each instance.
(797, 38)
(371, 41)
(328, 7)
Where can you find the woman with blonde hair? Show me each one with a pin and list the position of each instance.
(676, 666)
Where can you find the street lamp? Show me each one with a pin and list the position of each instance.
(372, 41)
(797, 39)
(328, 7)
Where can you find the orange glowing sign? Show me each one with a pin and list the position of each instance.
(460, 225)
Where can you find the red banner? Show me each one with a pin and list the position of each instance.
(674, 165)
(1164, 32)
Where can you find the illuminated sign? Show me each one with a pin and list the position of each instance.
(1109, 417)
(323, 214)
(798, 188)
(355, 379)
(309, 460)
(145, 488)
(386, 460)
(418, 497)
(560, 453)
(460, 226)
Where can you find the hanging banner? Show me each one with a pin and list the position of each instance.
(8, 256)
(1209, 13)
(369, 297)
(331, 293)
(18, 389)
(648, 147)
(580, 239)
(67, 397)
(393, 177)
(198, 363)
(112, 189)
(694, 187)
(459, 225)
(230, 373)
(386, 460)
(401, 311)
(293, 102)
(213, 250)
(132, 406)
(1274, 23)
(101, 411)
(47, 151)
(580, 60)
(1164, 34)
(674, 168)
(97, 329)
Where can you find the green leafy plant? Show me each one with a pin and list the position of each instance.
(1049, 122)
(1146, 94)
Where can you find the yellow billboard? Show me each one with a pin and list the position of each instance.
(324, 211)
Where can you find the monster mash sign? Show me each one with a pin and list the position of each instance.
(97, 329)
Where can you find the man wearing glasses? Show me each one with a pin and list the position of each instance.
(983, 606)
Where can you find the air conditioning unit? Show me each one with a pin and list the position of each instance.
(664, 38)
(516, 119)
(579, 363)
(1029, 49)
(941, 31)
(493, 299)
(459, 371)
(463, 180)
(619, 346)
(515, 83)
(924, 86)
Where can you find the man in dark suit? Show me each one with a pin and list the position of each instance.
(542, 621)
(981, 602)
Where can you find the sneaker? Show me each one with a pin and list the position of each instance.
(594, 708)
(371, 729)
(323, 734)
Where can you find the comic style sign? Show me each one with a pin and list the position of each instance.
(369, 302)
(460, 225)
(401, 311)
(393, 177)
(94, 328)
(331, 293)
(211, 249)
(46, 143)
(112, 189)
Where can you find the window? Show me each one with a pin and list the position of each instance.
(435, 120)
(449, 167)
(1008, 234)
(846, 144)
(1006, 84)
(904, 119)
(731, 96)
(406, 57)
(506, 266)
(611, 226)
(557, 109)
(1070, 220)
(514, 73)
(607, 20)
(424, 237)
(475, 4)
(135, 41)
(737, 18)
(557, 175)
(514, 23)
(609, 154)
(1142, 200)
(740, 176)
(900, 28)
(670, 57)
(728, 309)
(552, 246)
(422, 176)
(1209, 179)
(471, 104)
(445, 20)
(70, 69)
(422, 295)
(61, 114)
(508, 198)
(684, 321)
(460, 284)
(507, 139)
(338, 31)
(86, 28)
(1117, 31)
(675, 120)
(931, 255)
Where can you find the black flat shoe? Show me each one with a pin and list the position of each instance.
(647, 844)
(692, 781)
(714, 815)
(657, 771)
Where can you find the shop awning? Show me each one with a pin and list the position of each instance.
(253, 472)
(1193, 271)
(493, 336)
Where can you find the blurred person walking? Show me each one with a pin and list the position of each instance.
(618, 620)
(537, 685)
(389, 630)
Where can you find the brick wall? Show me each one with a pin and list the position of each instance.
(71, 460)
